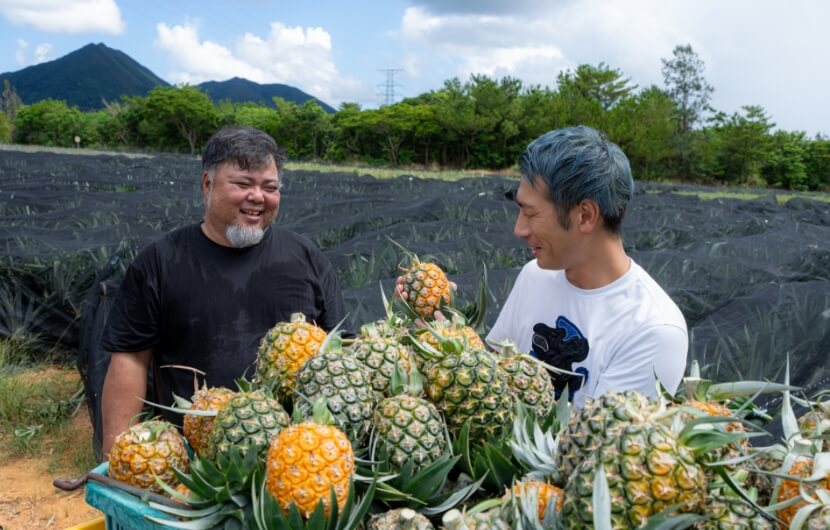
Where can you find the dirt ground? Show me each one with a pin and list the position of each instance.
(29, 501)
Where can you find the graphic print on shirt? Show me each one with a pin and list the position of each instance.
(561, 347)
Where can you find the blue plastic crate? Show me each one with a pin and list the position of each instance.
(122, 510)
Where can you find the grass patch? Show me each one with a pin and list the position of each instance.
(391, 173)
(42, 415)
(780, 197)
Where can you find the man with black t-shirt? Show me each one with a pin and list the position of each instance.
(204, 296)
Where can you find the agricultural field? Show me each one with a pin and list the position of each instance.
(750, 269)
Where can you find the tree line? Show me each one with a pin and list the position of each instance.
(669, 132)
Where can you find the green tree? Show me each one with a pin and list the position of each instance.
(455, 110)
(786, 165)
(5, 129)
(48, 122)
(260, 117)
(9, 101)
(349, 132)
(601, 83)
(683, 76)
(179, 117)
(817, 160)
(739, 146)
(688, 88)
(643, 126)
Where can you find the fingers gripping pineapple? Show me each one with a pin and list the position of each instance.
(308, 460)
(147, 450)
(425, 286)
(284, 349)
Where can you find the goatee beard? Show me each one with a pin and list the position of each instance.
(244, 236)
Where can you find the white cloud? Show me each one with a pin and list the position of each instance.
(64, 16)
(20, 53)
(43, 53)
(296, 56)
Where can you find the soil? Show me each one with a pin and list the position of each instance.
(28, 500)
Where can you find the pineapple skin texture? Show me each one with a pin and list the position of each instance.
(149, 448)
(306, 460)
(427, 288)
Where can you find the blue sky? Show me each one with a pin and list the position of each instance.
(762, 52)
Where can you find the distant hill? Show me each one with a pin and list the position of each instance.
(85, 77)
(240, 90)
(96, 73)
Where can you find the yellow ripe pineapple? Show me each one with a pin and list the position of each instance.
(308, 460)
(790, 489)
(147, 450)
(426, 288)
(284, 349)
(545, 493)
(197, 428)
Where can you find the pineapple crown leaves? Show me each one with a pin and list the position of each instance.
(813, 505)
(220, 492)
(268, 515)
(748, 497)
(402, 382)
(427, 490)
(522, 509)
(533, 447)
(601, 499)
(491, 459)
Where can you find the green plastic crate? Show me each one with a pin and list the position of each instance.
(122, 510)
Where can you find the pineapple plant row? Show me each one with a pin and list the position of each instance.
(416, 425)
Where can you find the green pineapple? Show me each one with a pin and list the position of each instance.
(248, 421)
(407, 427)
(599, 419)
(380, 352)
(730, 512)
(468, 385)
(649, 469)
(344, 382)
(529, 380)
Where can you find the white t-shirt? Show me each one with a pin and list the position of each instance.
(633, 328)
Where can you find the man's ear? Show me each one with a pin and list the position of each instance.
(589, 216)
(206, 183)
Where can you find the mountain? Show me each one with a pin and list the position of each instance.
(240, 90)
(96, 73)
(85, 77)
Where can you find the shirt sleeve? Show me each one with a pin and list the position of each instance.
(134, 323)
(660, 351)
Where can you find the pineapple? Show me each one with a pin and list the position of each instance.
(308, 460)
(600, 418)
(529, 380)
(400, 519)
(346, 384)
(649, 469)
(469, 385)
(380, 353)
(248, 421)
(284, 349)
(545, 494)
(147, 450)
(789, 489)
(407, 427)
(426, 288)
(196, 428)
(731, 511)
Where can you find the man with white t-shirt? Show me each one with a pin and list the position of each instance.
(582, 304)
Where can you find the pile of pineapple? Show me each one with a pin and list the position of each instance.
(414, 424)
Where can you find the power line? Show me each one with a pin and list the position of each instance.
(389, 85)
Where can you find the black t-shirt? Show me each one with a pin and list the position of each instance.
(199, 304)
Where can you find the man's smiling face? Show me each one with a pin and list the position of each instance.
(247, 200)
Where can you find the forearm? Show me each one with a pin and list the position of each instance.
(124, 388)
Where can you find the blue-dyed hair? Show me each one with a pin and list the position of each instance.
(579, 163)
